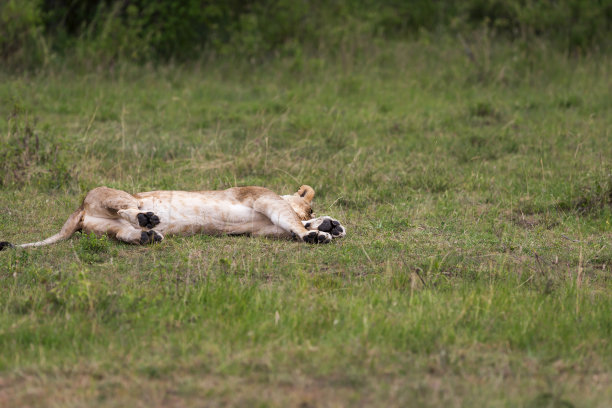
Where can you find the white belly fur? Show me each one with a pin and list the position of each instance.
(185, 213)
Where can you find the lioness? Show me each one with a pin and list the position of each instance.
(145, 218)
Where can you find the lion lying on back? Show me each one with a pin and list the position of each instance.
(148, 217)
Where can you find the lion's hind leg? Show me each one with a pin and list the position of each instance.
(138, 218)
(124, 205)
(120, 230)
(129, 226)
(131, 235)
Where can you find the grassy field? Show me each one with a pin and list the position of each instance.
(476, 270)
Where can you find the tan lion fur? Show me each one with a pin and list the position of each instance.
(147, 217)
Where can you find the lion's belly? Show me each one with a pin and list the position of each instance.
(184, 215)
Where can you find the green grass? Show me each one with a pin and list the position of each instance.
(477, 268)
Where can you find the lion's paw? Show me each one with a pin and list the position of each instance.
(148, 219)
(149, 237)
(326, 224)
(317, 237)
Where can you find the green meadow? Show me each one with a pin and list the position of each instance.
(475, 185)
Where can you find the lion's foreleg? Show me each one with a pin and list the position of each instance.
(282, 215)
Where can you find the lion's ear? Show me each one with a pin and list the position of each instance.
(306, 192)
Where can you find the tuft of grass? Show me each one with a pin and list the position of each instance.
(592, 199)
(32, 156)
(91, 248)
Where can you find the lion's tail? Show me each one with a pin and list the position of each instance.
(72, 225)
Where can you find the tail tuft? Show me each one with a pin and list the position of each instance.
(4, 245)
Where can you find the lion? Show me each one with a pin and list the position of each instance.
(149, 217)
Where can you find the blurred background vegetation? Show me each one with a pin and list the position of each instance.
(34, 33)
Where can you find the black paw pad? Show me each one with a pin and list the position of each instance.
(147, 237)
(148, 219)
(4, 245)
(336, 228)
(311, 237)
(322, 239)
(326, 225)
(331, 226)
